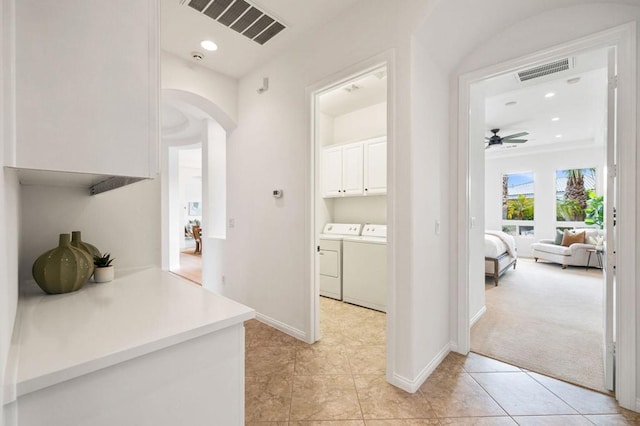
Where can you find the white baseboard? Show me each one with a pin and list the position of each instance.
(637, 410)
(412, 386)
(477, 316)
(453, 346)
(293, 332)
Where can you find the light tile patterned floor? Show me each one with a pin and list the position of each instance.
(339, 381)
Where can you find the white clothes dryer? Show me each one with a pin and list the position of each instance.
(364, 278)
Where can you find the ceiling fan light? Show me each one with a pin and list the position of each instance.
(555, 119)
(549, 95)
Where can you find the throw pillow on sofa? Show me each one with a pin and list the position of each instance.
(559, 236)
(571, 237)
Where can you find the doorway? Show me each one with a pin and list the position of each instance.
(471, 219)
(351, 205)
(193, 136)
(186, 200)
(544, 167)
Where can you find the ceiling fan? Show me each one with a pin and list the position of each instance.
(497, 140)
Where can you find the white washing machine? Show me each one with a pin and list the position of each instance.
(331, 256)
(364, 263)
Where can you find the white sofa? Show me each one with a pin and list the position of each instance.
(574, 255)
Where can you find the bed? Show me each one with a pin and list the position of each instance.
(499, 254)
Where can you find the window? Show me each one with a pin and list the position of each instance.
(517, 196)
(572, 189)
(517, 204)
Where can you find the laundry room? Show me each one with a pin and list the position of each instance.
(351, 201)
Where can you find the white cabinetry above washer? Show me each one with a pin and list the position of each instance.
(355, 169)
(375, 166)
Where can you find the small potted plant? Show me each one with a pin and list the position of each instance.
(104, 271)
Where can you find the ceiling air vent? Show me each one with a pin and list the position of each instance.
(240, 16)
(546, 69)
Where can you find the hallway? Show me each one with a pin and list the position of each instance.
(340, 381)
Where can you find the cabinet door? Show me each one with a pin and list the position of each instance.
(331, 172)
(352, 177)
(375, 167)
(87, 86)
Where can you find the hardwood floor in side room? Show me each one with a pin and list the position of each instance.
(190, 266)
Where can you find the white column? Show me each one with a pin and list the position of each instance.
(214, 205)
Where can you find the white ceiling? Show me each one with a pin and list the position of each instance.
(183, 28)
(359, 93)
(179, 125)
(580, 107)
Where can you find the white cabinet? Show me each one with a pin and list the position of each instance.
(86, 87)
(355, 169)
(332, 172)
(89, 359)
(375, 167)
(352, 162)
(342, 170)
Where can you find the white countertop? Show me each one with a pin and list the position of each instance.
(60, 337)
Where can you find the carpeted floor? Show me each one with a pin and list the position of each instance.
(545, 319)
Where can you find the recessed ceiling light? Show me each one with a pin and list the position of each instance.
(511, 103)
(573, 80)
(208, 45)
(555, 119)
(549, 95)
(558, 136)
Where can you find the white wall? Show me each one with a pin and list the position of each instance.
(325, 129)
(429, 191)
(9, 225)
(220, 89)
(124, 222)
(9, 242)
(544, 166)
(269, 248)
(363, 123)
(360, 210)
(467, 46)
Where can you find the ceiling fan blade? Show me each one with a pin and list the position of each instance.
(486, 138)
(487, 147)
(516, 141)
(515, 135)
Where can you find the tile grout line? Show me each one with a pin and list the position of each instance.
(293, 380)
(353, 379)
(560, 398)
(491, 396)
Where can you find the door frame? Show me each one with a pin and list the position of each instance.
(387, 60)
(623, 38)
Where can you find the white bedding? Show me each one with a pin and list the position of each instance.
(493, 246)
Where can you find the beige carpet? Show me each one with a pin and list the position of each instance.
(545, 319)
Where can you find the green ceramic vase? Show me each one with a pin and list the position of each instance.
(76, 241)
(63, 269)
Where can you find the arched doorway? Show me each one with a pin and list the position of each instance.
(191, 122)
